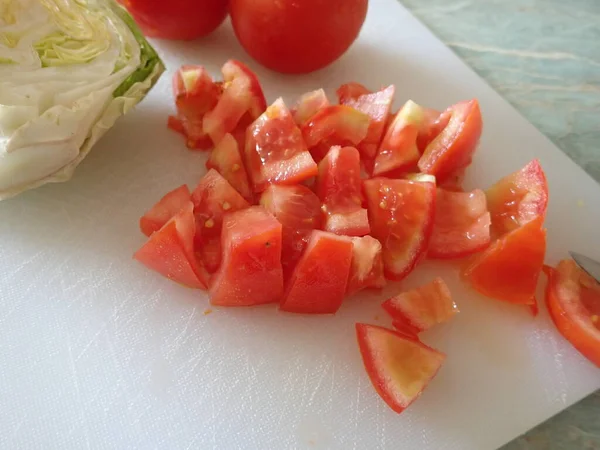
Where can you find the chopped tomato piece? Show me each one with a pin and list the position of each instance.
(335, 125)
(308, 105)
(461, 225)
(170, 251)
(366, 270)
(339, 188)
(453, 148)
(432, 125)
(167, 207)
(227, 160)
(508, 270)
(454, 181)
(401, 218)
(242, 93)
(398, 152)
(213, 198)
(573, 300)
(196, 94)
(250, 272)
(518, 198)
(403, 327)
(318, 283)
(377, 106)
(399, 367)
(298, 209)
(351, 91)
(423, 307)
(275, 150)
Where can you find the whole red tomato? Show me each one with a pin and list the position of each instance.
(177, 19)
(297, 36)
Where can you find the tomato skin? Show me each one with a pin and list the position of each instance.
(167, 207)
(453, 148)
(366, 270)
(461, 225)
(573, 301)
(423, 307)
(177, 19)
(170, 251)
(399, 366)
(401, 216)
(318, 283)
(250, 272)
(275, 151)
(509, 269)
(308, 105)
(297, 37)
(298, 209)
(227, 160)
(518, 198)
(338, 186)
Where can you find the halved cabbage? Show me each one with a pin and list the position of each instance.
(68, 70)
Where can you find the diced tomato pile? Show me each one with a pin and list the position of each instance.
(307, 206)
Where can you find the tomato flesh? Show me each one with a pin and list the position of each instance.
(518, 198)
(377, 106)
(227, 160)
(318, 283)
(339, 188)
(454, 147)
(432, 125)
(298, 209)
(167, 207)
(351, 91)
(573, 300)
(275, 150)
(170, 251)
(308, 105)
(366, 270)
(509, 269)
(250, 272)
(399, 366)
(461, 225)
(423, 307)
(401, 218)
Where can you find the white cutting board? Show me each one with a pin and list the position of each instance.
(98, 352)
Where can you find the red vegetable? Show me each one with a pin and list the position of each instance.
(308, 105)
(573, 300)
(167, 207)
(366, 270)
(227, 160)
(421, 308)
(250, 272)
(461, 226)
(400, 367)
(318, 283)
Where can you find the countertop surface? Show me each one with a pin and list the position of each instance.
(543, 56)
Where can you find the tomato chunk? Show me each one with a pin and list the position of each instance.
(518, 198)
(319, 281)
(308, 105)
(275, 150)
(213, 198)
(453, 148)
(335, 125)
(227, 160)
(508, 270)
(399, 367)
(423, 307)
(573, 300)
(377, 106)
(398, 152)
(196, 94)
(401, 217)
(339, 188)
(167, 207)
(241, 93)
(250, 272)
(351, 91)
(461, 226)
(298, 209)
(432, 125)
(366, 270)
(170, 251)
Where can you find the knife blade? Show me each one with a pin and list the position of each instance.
(588, 264)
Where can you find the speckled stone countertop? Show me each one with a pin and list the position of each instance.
(543, 56)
